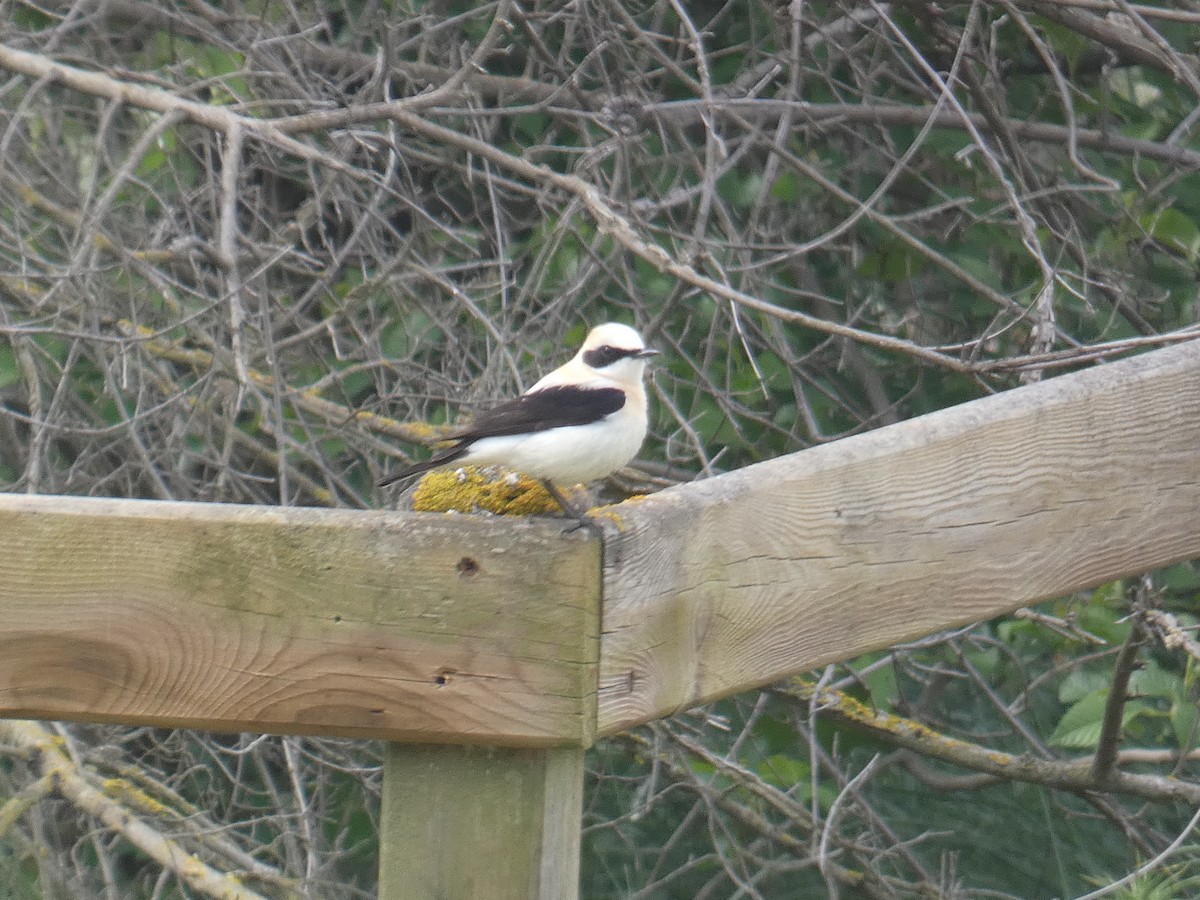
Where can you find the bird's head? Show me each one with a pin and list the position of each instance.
(615, 351)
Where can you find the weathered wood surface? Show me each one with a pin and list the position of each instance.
(480, 823)
(408, 626)
(957, 516)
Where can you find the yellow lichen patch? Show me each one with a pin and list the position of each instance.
(133, 797)
(473, 489)
(610, 513)
(416, 432)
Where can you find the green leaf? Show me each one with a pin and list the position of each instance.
(157, 156)
(1080, 683)
(1105, 614)
(892, 264)
(1080, 726)
(1151, 681)
(1130, 85)
(739, 189)
(786, 188)
(9, 373)
(1082, 737)
(1183, 577)
(777, 735)
(1183, 717)
(881, 682)
(1174, 230)
(532, 127)
(1066, 41)
(784, 771)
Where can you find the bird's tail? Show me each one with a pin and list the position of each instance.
(449, 455)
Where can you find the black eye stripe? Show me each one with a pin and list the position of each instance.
(606, 356)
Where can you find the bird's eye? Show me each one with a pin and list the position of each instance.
(605, 356)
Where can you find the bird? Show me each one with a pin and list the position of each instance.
(578, 424)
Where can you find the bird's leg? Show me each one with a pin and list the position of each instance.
(569, 509)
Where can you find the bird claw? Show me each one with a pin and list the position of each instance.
(582, 522)
(581, 517)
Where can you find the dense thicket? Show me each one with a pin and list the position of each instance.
(246, 247)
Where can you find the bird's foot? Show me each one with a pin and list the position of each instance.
(569, 509)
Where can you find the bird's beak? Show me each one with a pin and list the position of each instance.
(645, 354)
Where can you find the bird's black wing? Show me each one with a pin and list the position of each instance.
(551, 407)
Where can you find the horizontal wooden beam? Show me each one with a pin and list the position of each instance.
(726, 584)
(409, 626)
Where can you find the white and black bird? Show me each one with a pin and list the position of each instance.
(580, 423)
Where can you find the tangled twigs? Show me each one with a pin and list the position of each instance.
(74, 784)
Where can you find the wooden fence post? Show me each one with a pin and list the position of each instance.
(480, 823)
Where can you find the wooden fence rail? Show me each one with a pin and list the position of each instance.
(961, 515)
(491, 652)
(412, 627)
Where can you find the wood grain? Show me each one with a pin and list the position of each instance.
(480, 823)
(408, 626)
(964, 514)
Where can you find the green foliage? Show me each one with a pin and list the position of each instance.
(1174, 230)
(1178, 877)
(9, 372)
(1080, 727)
(377, 268)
